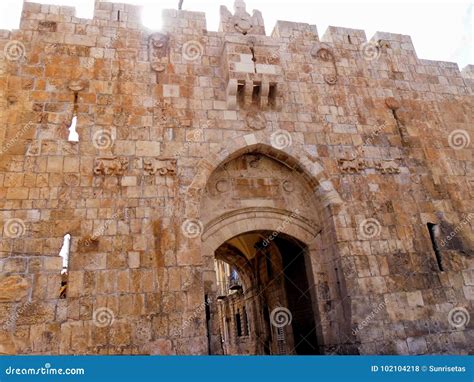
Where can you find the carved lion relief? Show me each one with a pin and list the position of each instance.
(111, 166)
(357, 165)
(159, 166)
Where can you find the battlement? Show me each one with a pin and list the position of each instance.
(44, 19)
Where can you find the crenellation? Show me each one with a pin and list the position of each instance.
(189, 22)
(468, 72)
(289, 30)
(340, 36)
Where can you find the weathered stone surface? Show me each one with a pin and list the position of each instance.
(7, 345)
(13, 288)
(159, 347)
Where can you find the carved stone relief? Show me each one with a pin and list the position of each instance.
(255, 120)
(34, 149)
(392, 103)
(158, 51)
(324, 54)
(111, 166)
(76, 85)
(241, 21)
(160, 166)
(222, 185)
(72, 179)
(357, 165)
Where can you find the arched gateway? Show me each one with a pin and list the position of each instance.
(268, 244)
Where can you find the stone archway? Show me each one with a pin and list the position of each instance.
(287, 194)
(293, 155)
(264, 301)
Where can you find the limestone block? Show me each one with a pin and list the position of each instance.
(13, 288)
(7, 344)
(159, 347)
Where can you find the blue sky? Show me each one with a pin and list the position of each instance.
(441, 30)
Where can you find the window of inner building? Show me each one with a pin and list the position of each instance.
(238, 325)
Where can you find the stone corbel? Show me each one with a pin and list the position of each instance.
(264, 93)
(232, 88)
(248, 93)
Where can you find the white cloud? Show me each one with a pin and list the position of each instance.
(440, 30)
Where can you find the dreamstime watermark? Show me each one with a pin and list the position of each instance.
(192, 228)
(370, 51)
(196, 135)
(281, 139)
(459, 317)
(459, 139)
(374, 134)
(14, 50)
(12, 318)
(192, 50)
(457, 229)
(366, 321)
(4, 149)
(14, 228)
(195, 315)
(280, 317)
(103, 139)
(370, 228)
(45, 370)
(281, 227)
(103, 317)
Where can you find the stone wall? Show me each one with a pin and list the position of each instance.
(382, 137)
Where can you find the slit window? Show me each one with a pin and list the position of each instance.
(256, 93)
(272, 94)
(238, 325)
(434, 234)
(246, 329)
(73, 135)
(241, 92)
(64, 254)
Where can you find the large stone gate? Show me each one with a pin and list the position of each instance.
(146, 158)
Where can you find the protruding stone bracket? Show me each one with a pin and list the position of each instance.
(252, 79)
(232, 88)
(264, 94)
(247, 93)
